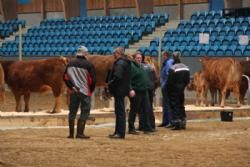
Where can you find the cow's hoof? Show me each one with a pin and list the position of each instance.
(222, 106)
(55, 111)
(238, 106)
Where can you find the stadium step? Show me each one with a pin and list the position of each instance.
(145, 41)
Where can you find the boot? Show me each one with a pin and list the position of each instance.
(71, 129)
(183, 123)
(80, 130)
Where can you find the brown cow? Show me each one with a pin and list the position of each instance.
(199, 84)
(2, 96)
(222, 74)
(24, 77)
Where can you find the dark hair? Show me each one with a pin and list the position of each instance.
(176, 58)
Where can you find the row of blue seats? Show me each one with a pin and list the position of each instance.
(11, 26)
(159, 19)
(74, 32)
(64, 51)
(201, 50)
(207, 15)
(192, 41)
(242, 21)
(225, 31)
(143, 26)
(67, 42)
(149, 51)
(95, 25)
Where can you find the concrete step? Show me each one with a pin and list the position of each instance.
(159, 32)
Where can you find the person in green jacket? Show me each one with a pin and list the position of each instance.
(139, 99)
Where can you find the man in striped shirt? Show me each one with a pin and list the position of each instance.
(80, 78)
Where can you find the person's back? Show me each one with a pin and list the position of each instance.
(80, 79)
(120, 77)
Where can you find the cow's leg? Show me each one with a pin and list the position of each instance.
(57, 91)
(26, 101)
(202, 98)
(197, 99)
(205, 97)
(212, 92)
(223, 93)
(236, 92)
(18, 102)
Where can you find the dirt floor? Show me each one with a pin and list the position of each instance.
(203, 144)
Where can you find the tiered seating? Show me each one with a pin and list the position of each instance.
(99, 34)
(11, 26)
(223, 35)
(152, 50)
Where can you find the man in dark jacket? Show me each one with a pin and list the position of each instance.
(80, 78)
(119, 84)
(178, 79)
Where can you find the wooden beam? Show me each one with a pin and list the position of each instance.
(106, 8)
(144, 7)
(43, 10)
(71, 8)
(180, 9)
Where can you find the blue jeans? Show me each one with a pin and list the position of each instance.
(166, 111)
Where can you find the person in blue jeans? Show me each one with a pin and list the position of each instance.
(166, 113)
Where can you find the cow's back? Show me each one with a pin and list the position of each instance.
(220, 72)
(32, 75)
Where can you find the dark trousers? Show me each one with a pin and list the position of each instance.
(79, 99)
(151, 94)
(140, 105)
(176, 101)
(166, 110)
(120, 121)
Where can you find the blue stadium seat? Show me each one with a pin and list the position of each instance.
(229, 51)
(153, 51)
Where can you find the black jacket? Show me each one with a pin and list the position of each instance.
(178, 78)
(119, 83)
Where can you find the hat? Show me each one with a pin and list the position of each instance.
(81, 51)
(119, 50)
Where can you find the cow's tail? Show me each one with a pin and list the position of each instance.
(2, 89)
(248, 81)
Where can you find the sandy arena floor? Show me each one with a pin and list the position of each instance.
(203, 144)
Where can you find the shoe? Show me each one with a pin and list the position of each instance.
(169, 126)
(161, 125)
(139, 129)
(116, 136)
(133, 132)
(149, 131)
(82, 137)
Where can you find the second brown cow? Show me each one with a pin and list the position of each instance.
(222, 74)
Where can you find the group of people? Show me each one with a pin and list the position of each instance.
(135, 79)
